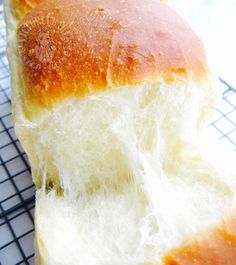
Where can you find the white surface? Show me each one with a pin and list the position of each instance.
(215, 23)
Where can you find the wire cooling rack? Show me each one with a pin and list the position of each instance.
(16, 187)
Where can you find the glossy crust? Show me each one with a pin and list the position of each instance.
(69, 47)
(22, 7)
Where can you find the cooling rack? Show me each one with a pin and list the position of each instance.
(16, 187)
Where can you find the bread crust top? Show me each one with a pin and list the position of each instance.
(69, 47)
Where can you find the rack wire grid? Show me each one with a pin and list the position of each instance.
(16, 187)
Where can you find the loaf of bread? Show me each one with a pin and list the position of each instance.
(111, 100)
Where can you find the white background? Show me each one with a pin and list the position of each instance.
(215, 23)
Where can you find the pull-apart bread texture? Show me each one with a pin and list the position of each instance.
(111, 99)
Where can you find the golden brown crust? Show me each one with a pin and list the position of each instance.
(215, 247)
(73, 48)
(22, 7)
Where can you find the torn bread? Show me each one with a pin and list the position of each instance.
(110, 102)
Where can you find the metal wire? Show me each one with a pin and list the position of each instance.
(16, 187)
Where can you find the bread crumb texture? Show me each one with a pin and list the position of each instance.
(133, 180)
